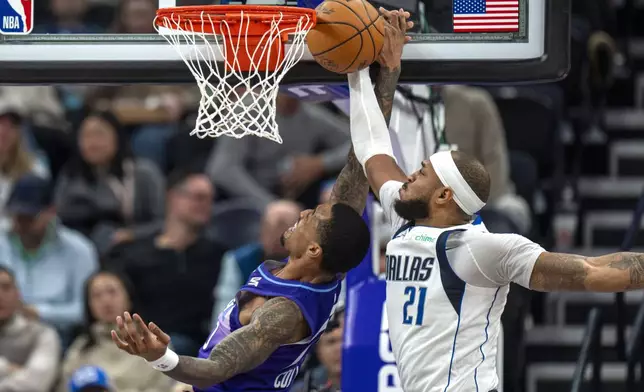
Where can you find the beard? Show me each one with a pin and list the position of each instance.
(412, 209)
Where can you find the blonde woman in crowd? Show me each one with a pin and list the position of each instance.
(15, 158)
(107, 295)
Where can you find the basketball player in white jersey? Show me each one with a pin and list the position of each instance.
(447, 278)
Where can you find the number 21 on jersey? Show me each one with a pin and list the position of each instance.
(415, 303)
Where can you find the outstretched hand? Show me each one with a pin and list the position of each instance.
(396, 26)
(137, 338)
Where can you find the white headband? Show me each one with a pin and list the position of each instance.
(451, 177)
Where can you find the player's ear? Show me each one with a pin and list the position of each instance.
(314, 250)
(443, 195)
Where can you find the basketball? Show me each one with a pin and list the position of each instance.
(348, 36)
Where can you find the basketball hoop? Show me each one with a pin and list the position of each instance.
(238, 58)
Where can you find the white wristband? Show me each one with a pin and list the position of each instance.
(167, 362)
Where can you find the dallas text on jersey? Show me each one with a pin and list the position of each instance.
(408, 268)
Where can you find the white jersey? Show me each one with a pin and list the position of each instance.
(446, 290)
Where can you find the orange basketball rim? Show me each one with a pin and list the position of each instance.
(238, 57)
(261, 29)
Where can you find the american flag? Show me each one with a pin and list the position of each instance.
(486, 16)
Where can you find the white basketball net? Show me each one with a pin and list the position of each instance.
(234, 103)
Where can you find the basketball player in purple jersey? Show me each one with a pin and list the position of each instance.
(264, 334)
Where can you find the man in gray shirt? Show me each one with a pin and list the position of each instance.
(315, 145)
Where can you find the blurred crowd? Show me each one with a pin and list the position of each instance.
(95, 222)
(108, 205)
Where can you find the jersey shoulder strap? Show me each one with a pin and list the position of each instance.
(314, 300)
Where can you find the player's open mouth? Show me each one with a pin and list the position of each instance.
(292, 228)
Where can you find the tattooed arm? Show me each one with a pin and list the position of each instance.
(610, 273)
(385, 88)
(277, 322)
(351, 187)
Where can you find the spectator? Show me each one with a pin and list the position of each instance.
(184, 150)
(151, 112)
(135, 17)
(473, 123)
(107, 296)
(181, 259)
(67, 18)
(105, 193)
(15, 158)
(89, 379)
(40, 104)
(50, 261)
(29, 350)
(45, 111)
(327, 376)
(238, 264)
(316, 143)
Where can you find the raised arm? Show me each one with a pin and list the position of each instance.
(386, 82)
(352, 186)
(278, 321)
(382, 168)
(615, 272)
(369, 129)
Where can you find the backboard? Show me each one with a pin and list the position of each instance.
(525, 40)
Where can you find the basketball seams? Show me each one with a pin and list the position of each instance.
(352, 11)
(358, 32)
(373, 23)
(373, 44)
(377, 29)
(366, 11)
(357, 55)
(350, 14)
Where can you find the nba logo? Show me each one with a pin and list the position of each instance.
(17, 17)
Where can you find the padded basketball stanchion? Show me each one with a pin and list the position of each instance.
(367, 361)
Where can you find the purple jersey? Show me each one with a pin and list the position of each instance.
(277, 373)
